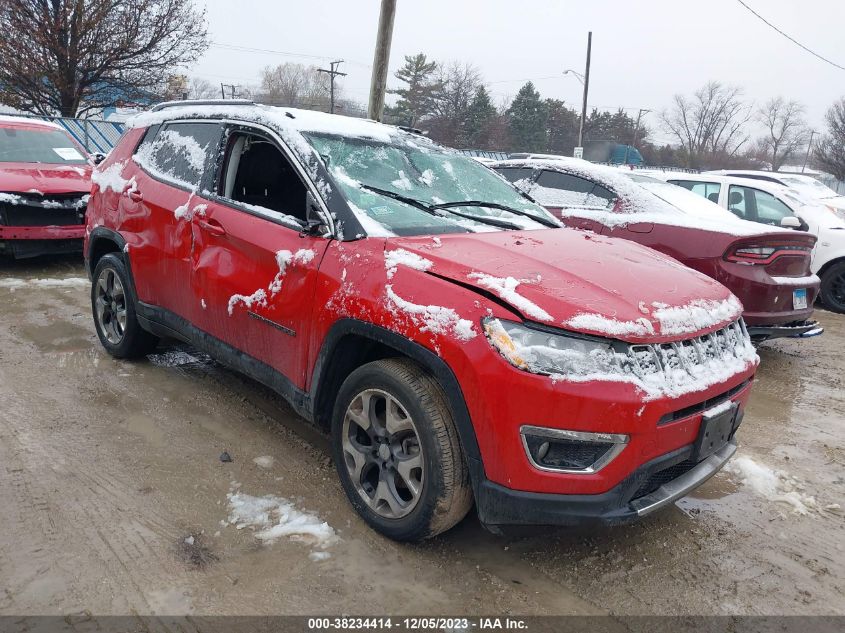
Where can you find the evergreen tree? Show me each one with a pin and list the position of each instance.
(562, 125)
(417, 99)
(527, 117)
(479, 116)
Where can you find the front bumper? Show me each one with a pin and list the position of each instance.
(640, 494)
(70, 232)
(799, 329)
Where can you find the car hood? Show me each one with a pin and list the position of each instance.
(44, 178)
(580, 281)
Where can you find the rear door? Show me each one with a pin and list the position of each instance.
(578, 202)
(171, 164)
(254, 270)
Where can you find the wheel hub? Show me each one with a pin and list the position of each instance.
(382, 453)
(110, 306)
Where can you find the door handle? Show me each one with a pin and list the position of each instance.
(211, 226)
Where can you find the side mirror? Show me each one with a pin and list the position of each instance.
(791, 222)
(314, 223)
(97, 158)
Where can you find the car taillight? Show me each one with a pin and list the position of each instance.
(764, 253)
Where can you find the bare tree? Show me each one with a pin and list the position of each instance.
(71, 56)
(295, 85)
(199, 88)
(457, 84)
(830, 150)
(710, 124)
(786, 130)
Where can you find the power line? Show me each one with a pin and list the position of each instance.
(790, 38)
(252, 49)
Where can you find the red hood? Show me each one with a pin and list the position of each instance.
(568, 273)
(46, 178)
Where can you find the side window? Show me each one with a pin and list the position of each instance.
(558, 189)
(513, 174)
(183, 152)
(709, 190)
(259, 176)
(739, 202)
(770, 210)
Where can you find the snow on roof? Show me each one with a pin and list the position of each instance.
(22, 120)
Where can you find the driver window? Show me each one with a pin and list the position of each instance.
(260, 177)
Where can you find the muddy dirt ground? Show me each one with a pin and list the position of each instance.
(113, 498)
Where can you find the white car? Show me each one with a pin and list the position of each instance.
(775, 204)
(807, 186)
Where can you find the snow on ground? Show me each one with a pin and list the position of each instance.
(14, 283)
(272, 518)
(264, 461)
(771, 484)
(392, 259)
(505, 288)
(434, 319)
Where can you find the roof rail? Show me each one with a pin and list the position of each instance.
(202, 102)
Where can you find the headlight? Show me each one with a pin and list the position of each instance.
(840, 213)
(542, 352)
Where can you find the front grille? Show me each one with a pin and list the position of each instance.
(49, 210)
(660, 477)
(731, 340)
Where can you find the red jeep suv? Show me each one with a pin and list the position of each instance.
(45, 178)
(459, 345)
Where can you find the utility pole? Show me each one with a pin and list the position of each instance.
(332, 74)
(807, 155)
(636, 132)
(381, 59)
(586, 91)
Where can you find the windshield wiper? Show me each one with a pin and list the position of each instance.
(431, 209)
(494, 205)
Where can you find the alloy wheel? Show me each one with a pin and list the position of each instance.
(837, 290)
(110, 306)
(383, 454)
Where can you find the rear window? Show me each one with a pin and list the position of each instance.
(182, 152)
(42, 145)
(557, 189)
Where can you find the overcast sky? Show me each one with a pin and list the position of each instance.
(643, 51)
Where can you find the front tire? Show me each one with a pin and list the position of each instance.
(833, 288)
(113, 308)
(397, 452)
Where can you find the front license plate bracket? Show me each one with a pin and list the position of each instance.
(714, 433)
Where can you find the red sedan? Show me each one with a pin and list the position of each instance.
(768, 270)
(45, 178)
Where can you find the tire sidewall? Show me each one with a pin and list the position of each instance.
(416, 524)
(837, 270)
(124, 348)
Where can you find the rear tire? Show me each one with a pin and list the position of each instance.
(832, 291)
(397, 452)
(113, 308)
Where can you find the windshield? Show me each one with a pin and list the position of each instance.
(809, 187)
(43, 145)
(427, 174)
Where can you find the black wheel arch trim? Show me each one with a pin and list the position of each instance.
(430, 361)
(97, 236)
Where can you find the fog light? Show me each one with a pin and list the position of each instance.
(564, 451)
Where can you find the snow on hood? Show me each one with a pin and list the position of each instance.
(44, 178)
(582, 282)
(655, 203)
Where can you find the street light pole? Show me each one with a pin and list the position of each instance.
(586, 90)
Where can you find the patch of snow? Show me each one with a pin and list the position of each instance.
(718, 409)
(505, 288)
(189, 540)
(264, 461)
(258, 298)
(374, 228)
(434, 319)
(10, 198)
(35, 191)
(427, 178)
(437, 242)
(395, 258)
(697, 315)
(14, 283)
(771, 484)
(274, 517)
(403, 182)
(111, 178)
(319, 556)
(610, 326)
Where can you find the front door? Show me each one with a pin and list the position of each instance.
(254, 270)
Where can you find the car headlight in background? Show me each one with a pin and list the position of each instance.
(553, 353)
(840, 213)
